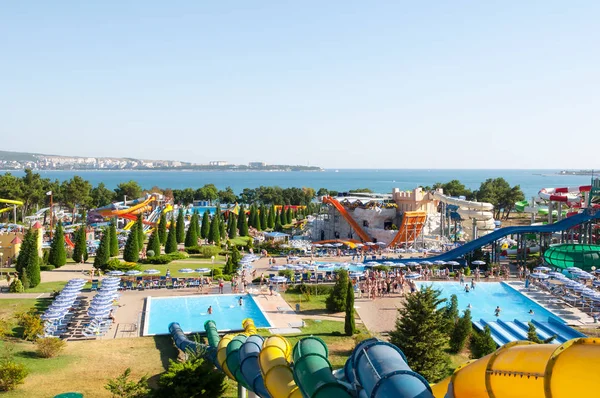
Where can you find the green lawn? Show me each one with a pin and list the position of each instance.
(10, 307)
(314, 305)
(240, 240)
(174, 267)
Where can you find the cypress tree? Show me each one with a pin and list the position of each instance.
(32, 262)
(26, 246)
(252, 216)
(154, 243)
(141, 236)
(257, 223)
(131, 252)
(263, 217)
(222, 229)
(283, 217)
(272, 217)
(213, 234)
(242, 222)
(114, 241)
(80, 250)
(194, 222)
(461, 332)
(349, 324)
(533, 336)
(171, 246)
(58, 253)
(228, 269)
(180, 229)
(278, 226)
(235, 256)
(103, 251)
(232, 226)
(205, 225)
(336, 301)
(289, 215)
(419, 319)
(162, 228)
(191, 237)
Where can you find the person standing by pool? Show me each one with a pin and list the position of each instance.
(472, 284)
(497, 311)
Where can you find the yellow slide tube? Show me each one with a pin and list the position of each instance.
(112, 213)
(249, 329)
(11, 202)
(274, 360)
(522, 369)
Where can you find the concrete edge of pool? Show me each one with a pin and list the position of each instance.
(148, 305)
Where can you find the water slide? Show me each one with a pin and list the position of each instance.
(526, 370)
(359, 231)
(468, 247)
(411, 227)
(69, 242)
(566, 194)
(469, 210)
(10, 202)
(114, 211)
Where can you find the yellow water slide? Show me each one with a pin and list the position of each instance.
(129, 210)
(249, 329)
(526, 370)
(275, 359)
(10, 202)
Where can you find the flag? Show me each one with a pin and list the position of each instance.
(49, 193)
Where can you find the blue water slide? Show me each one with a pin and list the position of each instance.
(185, 344)
(380, 370)
(514, 329)
(468, 247)
(499, 335)
(568, 332)
(249, 366)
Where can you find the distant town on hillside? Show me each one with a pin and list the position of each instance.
(23, 160)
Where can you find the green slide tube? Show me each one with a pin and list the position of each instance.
(313, 372)
(233, 358)
(213, 339)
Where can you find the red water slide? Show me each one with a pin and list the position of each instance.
(363, 235)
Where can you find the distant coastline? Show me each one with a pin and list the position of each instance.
(578, 172)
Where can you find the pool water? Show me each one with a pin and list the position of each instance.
(487, 295)
(191, 313)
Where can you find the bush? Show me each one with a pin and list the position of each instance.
(162, 259)
(361, 337)
(226, 278)
(461, 332)
(178, 255)
(482, 343)
(11, 375)
(49, 347)
(16, 286)
(47, 267)
(32, 325)
(150, 253)
(186, 379)
(122, 387)
(336, 302)
(467, 271)
(116, 265)
(310, 289)
(45, 256)
(204, 251)
(5, 329)
(217, 272)
(288, 273)
(381, 268)
(113, 264)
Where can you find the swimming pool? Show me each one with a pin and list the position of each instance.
(488, 295)
(191, 313)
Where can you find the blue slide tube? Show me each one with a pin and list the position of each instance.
(249, 366)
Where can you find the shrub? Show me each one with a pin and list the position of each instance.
(461, 332)
(336, 302)
(150, 253)
(178, 255)
(162, 259)
(349, 324)
(217, 272)
(16, 286)
(482, 343)
(122, 387)
(11, 374)
(361, 337)
(186, 379)
(115, 264)
(467, 271)
(288, 273)
(49, 347)
(5, 329)
(47, 267)
(226, 278)
(533, 336)
(45, 256)
(204, 251)
(310, 289)
(32, 325)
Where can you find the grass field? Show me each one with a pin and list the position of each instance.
(174, 267)
(315, 305)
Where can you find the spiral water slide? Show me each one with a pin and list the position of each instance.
(359, 231)
(10, 202)
(567, 194)
(113, 210)
(469, 210)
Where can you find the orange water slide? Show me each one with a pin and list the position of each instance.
(133, 217)
(69, 242)
(130, 210)
(411, 227)
(363, 235)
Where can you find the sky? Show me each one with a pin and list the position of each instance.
(338, 84)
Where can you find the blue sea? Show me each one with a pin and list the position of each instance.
(381, 181)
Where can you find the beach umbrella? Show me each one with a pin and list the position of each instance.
(412, 264)
(596, 283)
(426, 262)
(478, 262)
(151, 271)
(439, 262)
(389, 263)
(278, 279)
(401, 250)
(356, 274)
(453, 263)
(277, 268)
(328, 245)
(372, 263)
(115, 273)
(556, 274)
(413, 276)
(584, 275)
(381, 244)
(542, 268)
(202, 270)
(132, 272)
(574, 269)
(317, 245)
(539, 275)
(338, 244)
(294, 258)
(186, 270)
(359, 245)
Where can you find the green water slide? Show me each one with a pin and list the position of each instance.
(313, 372)
(233, 359)
(573, 255)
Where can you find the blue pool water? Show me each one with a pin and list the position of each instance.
(190, 313)
(487, 296)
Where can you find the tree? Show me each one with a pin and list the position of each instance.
(76, 191)
(214, 233)
(114, 241)
(80, 253)
(131, 252)
(283, 217)
(336, 301)
(58, 253)
(171, 245)
(180, 227)
(533, 336)
(242, 221)
(263, 217)
(191, 237)
(207, 192)
(222, 228)
(232, 226)
(455, 188)
(122, 387)
(420, 334)
(272, 217)
(278, 226)
(482, 343)
(103, 251)
(205, 225)
(349, 325)
(461, 332)
(252, 216)
(229, 268)
(257, 223)
(154, 243)
(498, 192)
(101, 196)
(194, 378)
(26, 246)
(31, 262)
(289, 216)
(226, 196)
(141, 235)
(162, 228)
(131, 189)
(451, 313)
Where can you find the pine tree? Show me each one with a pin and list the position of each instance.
(349, 324)
(171, 246)
(289, 216)
(281, 216)
(252, 216)
(32, 262)
(162, 228)
(103, 251)
(58, 253)
(191, 236)
(180, 228)
(26, 246)
(141, 236)
(235, 256)
(420, 334)
(451, 314)
(154, 243)
(272, 217)
(257, 223)
(278, 226)
(80, 250)
(229, 268)
(131, 252)
(214, 233)
(222, 229)
(482, 343)
(242, 222)
(232, 226)
(336, 301)
(263, 218)
(205, 225)
(114, 241)
(533, 336)
(461, 332)
(195, 222)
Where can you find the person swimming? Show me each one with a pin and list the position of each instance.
(469, 306)
(497, 311)
(530, 312)
(209, 310)
(240, 301)
(467, 289)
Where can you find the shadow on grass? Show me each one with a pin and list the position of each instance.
(27, 354)
(164, 345)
